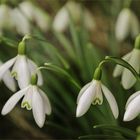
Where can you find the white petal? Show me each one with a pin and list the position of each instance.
(10, 104)
(123, 24)
(98, 98)
(119, 69)
(6, 66)
(128, 79)
(9, 81)
(42, 19)
(133, 109)
(89, 20)
(47, 105)
(19, 19)
(86, 99)
(61, 20)
(82, 91)
(5, 11)
(111, 100)
(38, 107)
(33, 68)
(27, 8)
(22, 70)
(133, 96)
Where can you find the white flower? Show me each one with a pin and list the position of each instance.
(127, 23)
(27, 8)
(42, 19)
(5, 17)
(128, 79)
(61, 20)
(132, 107)
(21, 22)
(22, 68)
(35, 14)
(8, 80)
(92, 93)
(35, 99)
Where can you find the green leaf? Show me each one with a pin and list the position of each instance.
(125, 131)
(55, 68)
(9, 42)
(75, 39)
(99, 137)
(65, 44)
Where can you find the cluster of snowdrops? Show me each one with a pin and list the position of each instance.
(29, 78)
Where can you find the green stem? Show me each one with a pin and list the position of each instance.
(49, 66)
(127, 3)
(121, 62)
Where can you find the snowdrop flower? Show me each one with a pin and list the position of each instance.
(22, 68)
(8, 80)
(132, 107)
(21, 23)
(42, 19)
(61, 20)
(27, 9)
(128, 79)
(127, 23)
(34, 98)
(5, 17)
(35, 14)
(92, 93)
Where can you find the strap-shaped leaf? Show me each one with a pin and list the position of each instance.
(100, 137)
(125, 131)
(56, 68)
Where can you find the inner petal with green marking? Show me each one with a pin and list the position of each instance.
(26, 105)
(14, 74)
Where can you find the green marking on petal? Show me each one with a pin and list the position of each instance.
(14, 74)
(97, 101)
(26, 105)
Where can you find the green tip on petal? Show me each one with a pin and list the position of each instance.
(22, 48)
(26, 105)
(14, 75)
(97, 74)
(97, 101)
(137, 42)
(34, 79)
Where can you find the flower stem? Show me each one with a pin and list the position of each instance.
(121, 62)
(49, 66)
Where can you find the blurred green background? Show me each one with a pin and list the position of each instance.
(78, 51)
